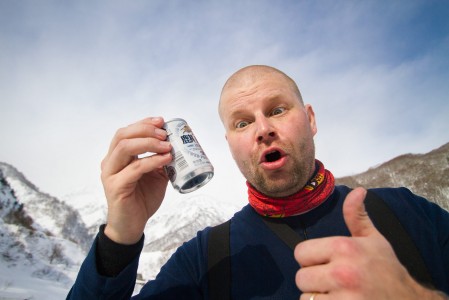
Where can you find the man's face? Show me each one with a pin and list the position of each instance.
(270, 134)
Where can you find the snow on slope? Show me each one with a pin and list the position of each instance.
(34, 265)
(49, 213)
(41, 250)
(179, 222)
(90, 202)
(41, 241)
(41, 237)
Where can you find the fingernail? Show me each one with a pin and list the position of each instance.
(161, 133)
(165, 143)
(156, 119)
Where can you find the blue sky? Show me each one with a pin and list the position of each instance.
(72, 73)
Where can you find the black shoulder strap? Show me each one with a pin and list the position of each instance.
(283, 231)
(219, 262)
(388, 224)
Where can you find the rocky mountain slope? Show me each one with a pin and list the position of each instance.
(49, 214)
(424, 174)
(43, 240)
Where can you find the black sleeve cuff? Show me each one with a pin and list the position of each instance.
(112, 257)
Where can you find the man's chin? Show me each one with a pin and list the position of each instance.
(277, 189)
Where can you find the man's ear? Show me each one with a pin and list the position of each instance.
(311, 117)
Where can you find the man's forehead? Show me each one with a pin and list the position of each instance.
(250, 78)
(252, 75)
(238, 99)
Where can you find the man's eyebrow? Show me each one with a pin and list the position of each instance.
(237, 113)
(243, 108)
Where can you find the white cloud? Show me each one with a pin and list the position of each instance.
(72, 74)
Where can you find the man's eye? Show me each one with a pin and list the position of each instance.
(242, 124)
(277, 111)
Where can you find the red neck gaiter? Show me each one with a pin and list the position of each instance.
(315, 192)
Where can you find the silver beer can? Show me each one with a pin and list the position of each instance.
(190, 168)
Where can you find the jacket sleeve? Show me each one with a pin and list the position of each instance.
(184, 274)
(90, 284)
(182, 277)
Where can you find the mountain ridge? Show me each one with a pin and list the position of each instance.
(49, 214)
(425, 174)
(43, 239)
(33, 254)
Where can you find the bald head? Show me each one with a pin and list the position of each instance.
(252, 74)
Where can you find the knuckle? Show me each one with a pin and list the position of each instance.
(122, 145)
(120, 133)
(344, 246)
(145, 128)
(347, 276)
(103, 164)
(103, 177)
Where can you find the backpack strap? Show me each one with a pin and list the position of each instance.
(219, 262)
(389, 226)
(284, 232)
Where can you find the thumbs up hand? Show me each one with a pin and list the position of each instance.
(363, 266)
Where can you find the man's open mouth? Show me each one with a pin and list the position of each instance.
(272, 156)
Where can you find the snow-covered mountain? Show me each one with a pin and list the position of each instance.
(43, 240)
(50, 215)
(426, 175)
(178, 223)
(90, 203)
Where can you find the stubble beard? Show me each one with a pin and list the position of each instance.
(285, 182)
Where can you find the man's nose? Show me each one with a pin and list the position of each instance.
(265, 130)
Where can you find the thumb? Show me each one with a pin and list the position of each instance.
(355, 215)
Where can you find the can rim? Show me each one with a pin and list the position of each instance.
(207, 176)
(176, 119)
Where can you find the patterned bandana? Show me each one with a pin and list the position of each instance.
(315, 192)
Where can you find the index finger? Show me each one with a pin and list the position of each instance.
(322, 250)
(148, 127)
(128, 142)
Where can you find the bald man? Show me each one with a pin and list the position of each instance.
(270, 133)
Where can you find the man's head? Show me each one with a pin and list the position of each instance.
(269, 129)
